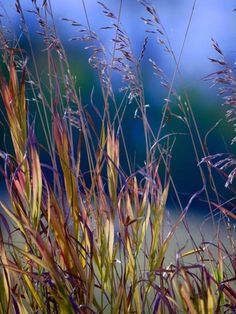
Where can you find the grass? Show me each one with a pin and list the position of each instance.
(92, 240)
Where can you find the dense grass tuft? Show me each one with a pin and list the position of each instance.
(79, 234)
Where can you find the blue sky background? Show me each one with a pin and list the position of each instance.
(211, 19)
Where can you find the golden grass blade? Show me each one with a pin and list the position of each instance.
(34, 293)
(19, 222)
(144, 228)
(210, 302)
(112, 163)
(15, 104)
(36, 185)
(191, 252)
(188, 301)
(71, 186)
(118, 299)
(5, 279)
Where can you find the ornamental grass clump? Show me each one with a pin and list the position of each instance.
(80, 234)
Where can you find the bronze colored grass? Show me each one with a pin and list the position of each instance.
(94, 242)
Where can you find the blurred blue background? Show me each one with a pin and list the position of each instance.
(211, 19)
